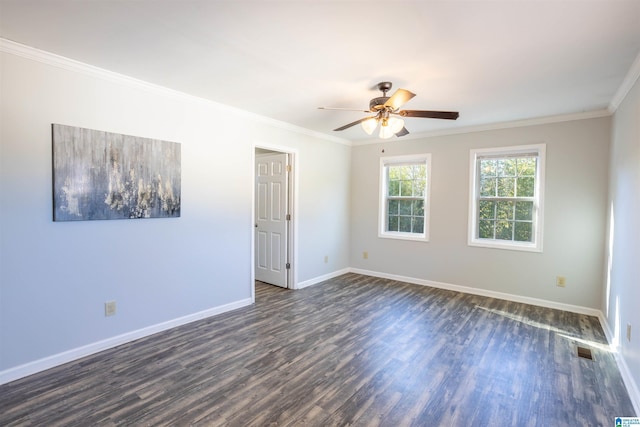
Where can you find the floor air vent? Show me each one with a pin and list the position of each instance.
(585, 353)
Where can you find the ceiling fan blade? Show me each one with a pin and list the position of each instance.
(353, 123)
(402, 132)
(447, 115)
(344, 109)
(398, 99)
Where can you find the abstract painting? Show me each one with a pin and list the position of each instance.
(103, 175)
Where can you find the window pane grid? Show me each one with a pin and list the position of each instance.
(405, 215)
(406, 180)
(405, 197)
(506, 198)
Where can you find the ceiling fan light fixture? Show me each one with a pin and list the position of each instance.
(386, 130)
(369, 125)
(395, 124)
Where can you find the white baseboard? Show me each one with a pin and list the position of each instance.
(36, 366)
(483, 292)
(322, 278)
(632, 387)
(77, 353)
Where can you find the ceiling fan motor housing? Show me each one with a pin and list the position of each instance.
(377, 104)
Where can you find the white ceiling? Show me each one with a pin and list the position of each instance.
(493, 61)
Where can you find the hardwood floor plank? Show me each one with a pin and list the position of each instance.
(354, 350)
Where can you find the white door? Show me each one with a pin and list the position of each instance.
(271, 219)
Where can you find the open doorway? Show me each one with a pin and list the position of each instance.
(273, 202)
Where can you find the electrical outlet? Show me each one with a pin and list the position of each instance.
(365, 255)
(561, 281)
(326, 259)
(629, 332)
(109, 308)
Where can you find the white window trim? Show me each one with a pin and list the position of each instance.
(382, 192)
(536, 245)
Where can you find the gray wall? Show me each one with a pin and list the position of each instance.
(622, 282)
(55, 277)
(574, 221)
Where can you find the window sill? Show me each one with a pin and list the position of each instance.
(405, 236)
(496, 244)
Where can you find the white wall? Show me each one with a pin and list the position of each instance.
(574, 218)
(621, 305)
(55, 277)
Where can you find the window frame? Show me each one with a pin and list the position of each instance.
(423, 158)
(538, 198)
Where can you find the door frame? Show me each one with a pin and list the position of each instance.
(292, 225)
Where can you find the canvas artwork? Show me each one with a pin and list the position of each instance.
(103, 175)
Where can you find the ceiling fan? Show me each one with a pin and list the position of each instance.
(386, 108)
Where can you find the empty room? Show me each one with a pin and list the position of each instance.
(324, 213)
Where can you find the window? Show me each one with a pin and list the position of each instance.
(506, 192)
(404, 197)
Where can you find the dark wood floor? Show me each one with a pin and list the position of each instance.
(355, 350)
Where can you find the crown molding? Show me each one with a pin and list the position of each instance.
(497, 126)
(28, 52)
(48, 58)
(630, 79)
